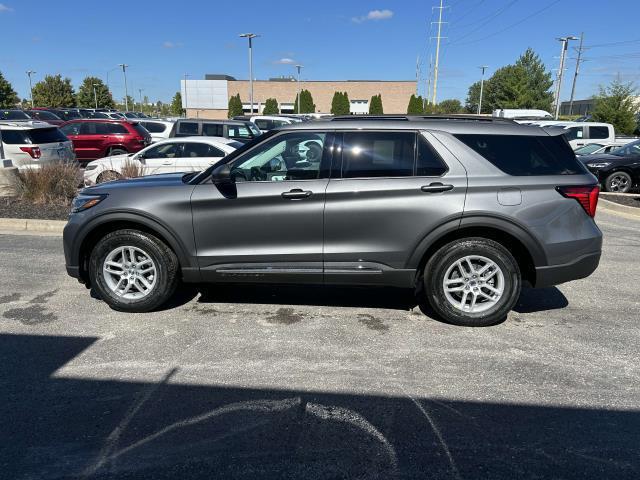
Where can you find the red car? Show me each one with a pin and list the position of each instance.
(98, 138)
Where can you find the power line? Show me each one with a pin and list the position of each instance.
(488, 19)
(515, 24)
(465, 14)
(613, 44)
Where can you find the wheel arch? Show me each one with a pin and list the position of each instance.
(527, 251)
(105, 224)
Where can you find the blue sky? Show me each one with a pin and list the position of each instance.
(333, 40)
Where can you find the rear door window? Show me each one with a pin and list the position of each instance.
(71, 129)
(212, 129)
(428, 163)
(599, 132)
(526, 155)
(574, 133)
(188, 128)
(192, 149)
(239, 131)
(378, 154)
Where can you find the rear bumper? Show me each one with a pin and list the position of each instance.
(581, 267)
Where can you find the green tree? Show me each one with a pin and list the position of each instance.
(306, 103)
(375, 105)
(85, 97)
(507, 87)
(235, 106)
(614, 105)
(451, 105)
(270, 107)
(537, 93)
(415, 106)
(130, 103)
(8, 96)
(473, 97)
(54, 91)
(340, 104)
(176, 104)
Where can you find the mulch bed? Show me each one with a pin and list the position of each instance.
(12, 207)
(623, 199)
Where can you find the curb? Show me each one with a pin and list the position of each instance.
(32, 225)
(610, 206)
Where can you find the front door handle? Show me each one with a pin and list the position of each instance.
(436, 187)
(296, 194)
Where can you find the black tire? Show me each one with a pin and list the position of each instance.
(619, 182)
(445, 257)
(108, 176)
(166, 270)
(117, 151)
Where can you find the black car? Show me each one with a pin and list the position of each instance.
(617, 171)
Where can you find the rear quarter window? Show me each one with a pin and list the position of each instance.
(155, 127)
(14, 137)
(524, 155)
(188, 128)
(47, 135)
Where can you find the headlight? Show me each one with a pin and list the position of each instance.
(84, 202)
(90, 167)
(599, 165)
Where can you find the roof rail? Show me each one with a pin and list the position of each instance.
(25, 123)
(391, 117)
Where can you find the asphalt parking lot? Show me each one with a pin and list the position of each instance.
(247, 382)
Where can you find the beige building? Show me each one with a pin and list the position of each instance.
(209, 98)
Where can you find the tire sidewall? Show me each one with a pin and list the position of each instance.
(437, 267)
(610, 178)
(150, 245)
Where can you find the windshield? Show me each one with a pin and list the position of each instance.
(587, 149)
(13, 115)
(629, 150)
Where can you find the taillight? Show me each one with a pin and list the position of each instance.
(586, 195)
(33, 151)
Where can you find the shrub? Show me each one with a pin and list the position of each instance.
(132, 170)
(53, 183)
(271, 107)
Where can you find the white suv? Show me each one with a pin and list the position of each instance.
(33, 143)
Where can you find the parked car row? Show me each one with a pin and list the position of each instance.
(618, 170)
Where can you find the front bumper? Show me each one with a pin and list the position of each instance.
(581, 267)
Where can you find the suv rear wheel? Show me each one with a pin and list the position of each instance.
(133, 271)
(472, 282)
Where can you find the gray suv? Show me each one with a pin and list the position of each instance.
(462, 210)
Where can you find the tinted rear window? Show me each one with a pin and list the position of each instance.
(14, 137)
(141, 130)
(13, 115)
(43, 115)
(46, 135)
(155, 127)
(523, 155)
(188, 128)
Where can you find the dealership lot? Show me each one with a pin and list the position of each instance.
(268, 382)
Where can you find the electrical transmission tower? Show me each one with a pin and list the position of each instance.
(579, 59)
(437, 61)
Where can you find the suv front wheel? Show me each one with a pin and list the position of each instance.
(133, 271)
(472, 282)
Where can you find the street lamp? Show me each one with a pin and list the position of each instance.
(299, 67)
(250, 36)
(29, 73)
(126, 93)
(95, 95)
(186, 105)
(563, 51)
(140, 96)
(483, 68)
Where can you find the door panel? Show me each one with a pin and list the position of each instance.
(162, 158)
(268, 225)
(373, 225)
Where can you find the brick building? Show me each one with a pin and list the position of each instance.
(209, 98)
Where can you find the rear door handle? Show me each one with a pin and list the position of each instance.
(436, 187)
(296, 194)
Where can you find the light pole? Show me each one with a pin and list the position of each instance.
(575, 75)
(483, 68)
(29, 73)
(563, 51)
(186, 105)
(126, 92)
(140, 96)
(299, 67)
(250, 36)
(95, 95)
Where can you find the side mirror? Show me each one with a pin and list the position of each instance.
(221, 175)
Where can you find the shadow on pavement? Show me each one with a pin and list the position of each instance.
(62, 428)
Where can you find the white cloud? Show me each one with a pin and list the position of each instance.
(4, 8)
(374, 15)
(285, 61)
(169, 44)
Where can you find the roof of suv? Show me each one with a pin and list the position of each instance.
(24, 124)
(454, 125)
(104, 120)
(213, 120)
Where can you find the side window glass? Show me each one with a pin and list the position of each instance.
(292, 156)
(166, 150)
(378, 154)
(212, 130)
(192, 150)
(598, 132)
(429, 163)
(87, 128)
(188, 128)
(71, 129)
